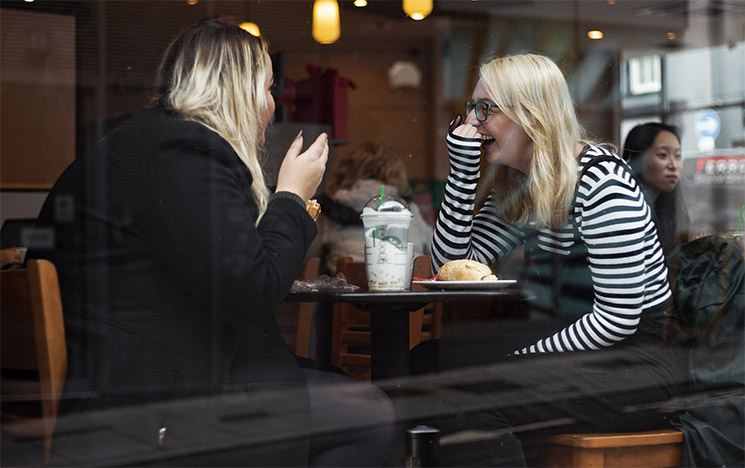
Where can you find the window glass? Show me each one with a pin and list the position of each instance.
(176, 358)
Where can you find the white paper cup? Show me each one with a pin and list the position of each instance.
(410, 256)
(386, 249)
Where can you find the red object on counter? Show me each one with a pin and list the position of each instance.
(322, 98)
(434, 278)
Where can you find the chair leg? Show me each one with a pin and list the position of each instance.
(336, 335)
(416, 319)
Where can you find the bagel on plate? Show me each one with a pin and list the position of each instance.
(465, 270)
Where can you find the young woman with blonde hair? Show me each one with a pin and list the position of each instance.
(172, 254)
(566, 200)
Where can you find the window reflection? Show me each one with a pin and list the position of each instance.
(72, 71)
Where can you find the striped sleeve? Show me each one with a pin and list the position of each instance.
(624, 256)
(458, 233)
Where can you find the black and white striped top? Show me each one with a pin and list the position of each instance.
(613, 221)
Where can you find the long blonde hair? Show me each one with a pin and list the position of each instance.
(215, 73)
(531, 90)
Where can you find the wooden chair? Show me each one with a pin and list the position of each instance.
(34, 354)
(350, 336)
(295, 319)
(652, 449)
(426, 323)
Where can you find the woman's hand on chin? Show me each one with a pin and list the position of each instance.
(301, 173)
(467, 131)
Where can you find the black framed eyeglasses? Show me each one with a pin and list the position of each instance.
(482, 109)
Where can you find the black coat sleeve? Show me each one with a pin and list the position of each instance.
(201, 223)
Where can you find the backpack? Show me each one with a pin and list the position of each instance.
(708, 284)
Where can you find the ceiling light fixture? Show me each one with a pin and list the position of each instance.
(360, 3)
(595, 34)
(417, 9)
(326, 27)
(252, 28)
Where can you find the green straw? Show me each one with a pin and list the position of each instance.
(380, 203)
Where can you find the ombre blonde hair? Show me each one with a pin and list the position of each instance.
(531, 91)
(215, 74)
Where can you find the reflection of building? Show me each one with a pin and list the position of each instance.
(700, 90)
(714, 189)
(696, 80)
(697, 85)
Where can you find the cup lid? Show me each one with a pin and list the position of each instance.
(387, 204)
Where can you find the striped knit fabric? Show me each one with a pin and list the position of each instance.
(613, 221)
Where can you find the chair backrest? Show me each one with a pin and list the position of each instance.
(350, 329)
(426, 323)
(354, 272)
(295, 319)
(33, 350)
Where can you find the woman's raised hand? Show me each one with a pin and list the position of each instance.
(301, 173)
(463, 129)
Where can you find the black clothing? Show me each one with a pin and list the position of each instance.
(709, 285)
(671, 218)
(168, 287)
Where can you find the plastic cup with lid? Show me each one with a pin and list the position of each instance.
(386, 221)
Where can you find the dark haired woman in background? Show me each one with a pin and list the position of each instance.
(172, 255)
(653, 151)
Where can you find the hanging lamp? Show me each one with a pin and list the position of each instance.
(251, 28)
(326, 28)
(417, 9)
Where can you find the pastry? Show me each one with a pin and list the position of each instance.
(313, 208)
(465, 270)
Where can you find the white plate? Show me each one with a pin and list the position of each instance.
(499, 284)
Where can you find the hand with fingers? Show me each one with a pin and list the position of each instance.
(463, 129)
(301, 173)
(10, 256)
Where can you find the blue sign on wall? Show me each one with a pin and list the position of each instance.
(707, 124)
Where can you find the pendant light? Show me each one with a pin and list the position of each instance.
(417, 9)
(326, 29)
(251, 28)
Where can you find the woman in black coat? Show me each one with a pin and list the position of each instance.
(172, 254)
